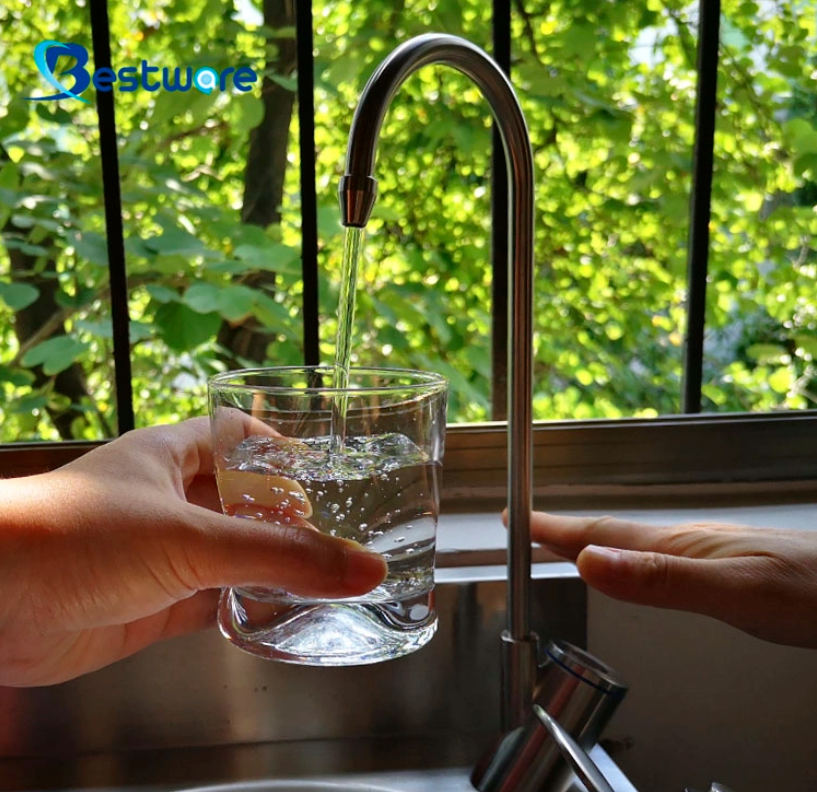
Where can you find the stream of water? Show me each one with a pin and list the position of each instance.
(352, 245)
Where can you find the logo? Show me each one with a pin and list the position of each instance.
(130, 78)
(46, 54)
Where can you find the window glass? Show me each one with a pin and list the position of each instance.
(210, 212)
(425, 284)
(56, 367)
(211, 206)
(608, 89)
(761, 323)
(210, 197)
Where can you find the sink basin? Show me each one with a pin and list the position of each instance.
(438, 780)
(292, 786)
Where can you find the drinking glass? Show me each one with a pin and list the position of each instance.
(360, 462)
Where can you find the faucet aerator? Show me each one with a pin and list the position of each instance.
(357, 196)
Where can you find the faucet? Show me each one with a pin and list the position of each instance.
(358, 189)
(570, 684)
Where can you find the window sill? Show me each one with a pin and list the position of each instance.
(478, 539)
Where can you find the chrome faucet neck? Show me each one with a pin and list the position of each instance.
(357, 195)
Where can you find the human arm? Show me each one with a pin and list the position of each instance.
(127, 545)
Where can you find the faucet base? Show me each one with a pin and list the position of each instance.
(577, 690)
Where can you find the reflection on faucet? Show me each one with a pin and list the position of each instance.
(581, 763)
(358, 189)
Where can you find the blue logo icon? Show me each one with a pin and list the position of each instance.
(129, 78)
(46, 54)
(206, 80)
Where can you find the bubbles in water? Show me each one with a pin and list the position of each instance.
(379, 490)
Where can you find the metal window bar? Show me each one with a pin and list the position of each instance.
(709, 15)
(500, 224)
(309, 198)
(101, 43)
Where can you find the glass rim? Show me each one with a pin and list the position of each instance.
(426, 381)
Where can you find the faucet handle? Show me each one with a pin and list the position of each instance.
(573, 688)
(578, 759)
(578, 690)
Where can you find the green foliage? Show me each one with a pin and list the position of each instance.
(54, 355)
(608, 91)
(184, 328)
(18, 295)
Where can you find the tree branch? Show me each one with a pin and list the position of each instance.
(687, 45)
(527, 22)
(58, 318)
(204, 129)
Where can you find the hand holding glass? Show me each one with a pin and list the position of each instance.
(361, 463)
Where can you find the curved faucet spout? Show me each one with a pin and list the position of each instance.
(357, 195)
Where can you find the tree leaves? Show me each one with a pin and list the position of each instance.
(801, 136)
(768, 353)
(269, 256)
(17, 243)
(247, 115)
(234, 303)
(92, 247)
(182, 328)
(18, 295)
(175, 241)
(54, 354)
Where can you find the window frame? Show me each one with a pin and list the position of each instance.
(584, 463)
(582, 456)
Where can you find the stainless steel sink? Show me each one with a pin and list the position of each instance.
(436, 780)
(294, 786)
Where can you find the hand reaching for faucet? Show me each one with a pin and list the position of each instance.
(760, 580)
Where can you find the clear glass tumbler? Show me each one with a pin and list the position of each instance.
(379, 486)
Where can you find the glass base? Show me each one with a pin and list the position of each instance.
(327, 633)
